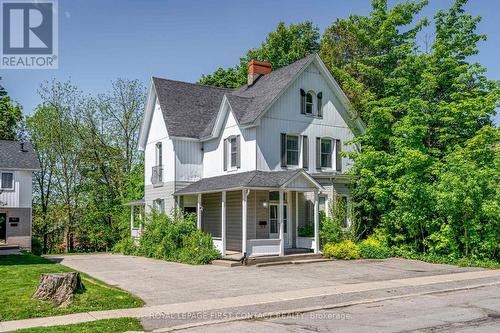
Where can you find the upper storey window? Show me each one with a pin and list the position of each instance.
(232, 153)
(7, 181)
(311, 104)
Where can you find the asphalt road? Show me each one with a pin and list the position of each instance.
(474, 310)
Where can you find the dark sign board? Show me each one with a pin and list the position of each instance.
(14, 219)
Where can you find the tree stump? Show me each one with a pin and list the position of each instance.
(58, 288)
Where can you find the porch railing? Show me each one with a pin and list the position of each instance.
(157, 175)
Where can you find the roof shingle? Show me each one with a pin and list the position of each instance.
(190, 110)
(11, 156)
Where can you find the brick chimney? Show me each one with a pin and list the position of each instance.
(256, 69)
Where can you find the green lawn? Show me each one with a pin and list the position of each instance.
(101, 326)
(19, 276)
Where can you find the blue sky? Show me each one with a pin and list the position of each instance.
(100, 41)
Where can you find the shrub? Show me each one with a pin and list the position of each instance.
(372, 248)
(176, 238)
(126, 246)
(344, 250)
(306, 230)
(36, 246)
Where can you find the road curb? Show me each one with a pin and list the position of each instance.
(318, 308)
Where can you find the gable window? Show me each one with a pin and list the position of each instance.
(309, 103)
(158, 153)
(7, 181)
(232, 152)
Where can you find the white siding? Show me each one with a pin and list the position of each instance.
(21, 196)
(188, 160)
(213, 158)
(285, 117)
(158, 133)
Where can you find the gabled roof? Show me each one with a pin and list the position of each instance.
(249, 179)
(11, 156)
(191, 110)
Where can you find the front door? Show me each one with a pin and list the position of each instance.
(3, 227)
(274, 228)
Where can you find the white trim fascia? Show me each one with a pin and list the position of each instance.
(148, 117)
(308, 177)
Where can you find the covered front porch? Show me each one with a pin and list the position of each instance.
(256, 213)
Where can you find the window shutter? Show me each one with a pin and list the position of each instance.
(338, 157)
(305, 152)
(225, 154)
(283, 150)
(318, 153)
(238, 152)
(320, 104)
(302, 101)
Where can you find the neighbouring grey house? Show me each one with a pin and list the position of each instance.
(255, 163)
(17, 164)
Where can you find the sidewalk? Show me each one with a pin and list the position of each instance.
(255, 300)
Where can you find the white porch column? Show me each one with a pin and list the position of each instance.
(244, 208)
(140, 220)
(290, 218)
(296, 218)
(198, 212)
(131, 218)
(223, 229)
(316, 222)
(281, 224)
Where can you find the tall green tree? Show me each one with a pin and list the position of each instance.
(282, 47)
(11, 117)
(428, 106)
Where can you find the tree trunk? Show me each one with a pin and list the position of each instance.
(58, 288)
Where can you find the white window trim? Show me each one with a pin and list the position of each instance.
(229, 167)
(13, 181)
(159, 205)
(332, 154)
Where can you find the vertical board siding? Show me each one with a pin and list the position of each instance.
(211, 220)
(233, 220)
(188, 160)
(285, 117)
(262, 214)
(21, 195)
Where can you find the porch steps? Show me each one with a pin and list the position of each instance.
(292, 262)
(287, 258)
(226, 263)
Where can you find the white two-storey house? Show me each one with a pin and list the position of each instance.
(255, 163)
(17, 164)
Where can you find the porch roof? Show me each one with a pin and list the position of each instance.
(251, 179)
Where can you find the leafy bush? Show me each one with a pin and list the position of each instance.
(372, 248)
(346, 250)
(36, 246)
(306, 230)
(126, 246)
(176, 238)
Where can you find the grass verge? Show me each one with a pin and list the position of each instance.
(19, 277)
(102, 326)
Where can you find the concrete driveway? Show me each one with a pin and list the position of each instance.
(160, 282)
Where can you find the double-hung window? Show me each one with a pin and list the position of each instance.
(159, 205)
(326, 152)
(309, 103)
(234, 152)
(7, 181)
(292, 150)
